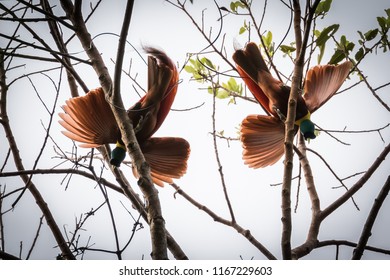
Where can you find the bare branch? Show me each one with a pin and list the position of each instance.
(19, 165)
(245, 232)
(337, 243)
(35, 238)
(219, 162)
(358, 185)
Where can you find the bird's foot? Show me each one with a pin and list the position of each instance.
(142, 121)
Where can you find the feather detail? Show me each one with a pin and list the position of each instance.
(262, 138)
(167, 85)
(267, 90)
(150, 112)
(251, 60)
(322, 82)
(88, 119)
(167, 158)
(256, 91)
(250, 65)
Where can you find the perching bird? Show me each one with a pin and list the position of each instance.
(89, 120)
(262, 137)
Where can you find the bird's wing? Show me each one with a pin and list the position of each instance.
(256, 75)
(167, 158)
(255, 90)
(88, 119)
(262, 138)
(322, 81)
(250, 60)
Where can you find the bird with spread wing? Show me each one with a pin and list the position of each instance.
(89, 120)
(262, 136)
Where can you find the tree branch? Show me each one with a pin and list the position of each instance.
(112, 91)
(311, 243)
(289, 124)
(357, 186)
(245, 232)
(155, 217)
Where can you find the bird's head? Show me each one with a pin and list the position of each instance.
(118, 154)
(307, 129)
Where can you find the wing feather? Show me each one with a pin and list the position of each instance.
(167, 158)
(322, 82)
(88, 119)
(262, 139)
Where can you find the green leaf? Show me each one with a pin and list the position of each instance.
(382, 22)
(242, 30)
(198, 77)
(326, 33)
(208, 62)
(359, 54)
(350, 46)
(189, 69)
(361, 35)
(321, 54)
(232, 83)
(338, 56)
(345, 45)
(235, 5)
(267, 39)
(268, 44)
(287, 49)
(233, 86)
(371, 34)
(323, 7)
(222, 94)
(387, 12)
(343, 40)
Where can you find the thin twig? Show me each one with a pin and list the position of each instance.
(19, 165)
(35, 238)
(219, 162)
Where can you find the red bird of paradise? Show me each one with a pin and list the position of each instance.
(89, 120)
(262, 137)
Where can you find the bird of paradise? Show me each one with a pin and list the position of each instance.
(262, 136)
(90, 121)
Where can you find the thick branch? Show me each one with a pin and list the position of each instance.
(155, 217)
(289, 124)
(310, 244)
(357, 186)
(288, 143)
(157, 223)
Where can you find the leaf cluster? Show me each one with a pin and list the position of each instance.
(202, 70)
